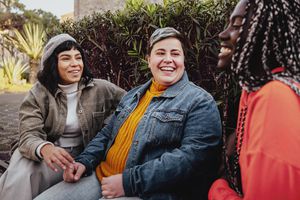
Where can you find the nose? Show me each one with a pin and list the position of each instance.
(224, 35)
(168, 58)
(74, 62)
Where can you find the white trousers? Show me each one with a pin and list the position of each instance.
(25, 179)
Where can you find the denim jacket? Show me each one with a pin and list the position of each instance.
(175, 148)
(43, 116)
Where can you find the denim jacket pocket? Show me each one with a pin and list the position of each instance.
(166, 127)
(98, 118)
(122, 112)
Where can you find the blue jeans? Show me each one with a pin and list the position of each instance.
(87, 188)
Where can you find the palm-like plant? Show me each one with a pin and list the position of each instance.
(13, 69)
(30, 41)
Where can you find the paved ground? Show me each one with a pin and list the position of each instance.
(9, 106)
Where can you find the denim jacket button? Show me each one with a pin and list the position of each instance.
(79, 111)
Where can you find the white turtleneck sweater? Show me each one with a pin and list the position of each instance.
(72, 134)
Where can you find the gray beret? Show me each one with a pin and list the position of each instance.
(162, 33)
(53, 43)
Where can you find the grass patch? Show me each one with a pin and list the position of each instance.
(16, 88)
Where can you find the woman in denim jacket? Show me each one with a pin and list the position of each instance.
(59, 116)
(162, 142)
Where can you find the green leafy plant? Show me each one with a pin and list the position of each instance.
(116, 43)
(13, 70)
(31, 42)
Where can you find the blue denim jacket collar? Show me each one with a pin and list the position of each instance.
(172, 91)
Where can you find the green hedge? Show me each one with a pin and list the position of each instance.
(115, 43)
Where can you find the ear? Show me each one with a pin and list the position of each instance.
(148, 60)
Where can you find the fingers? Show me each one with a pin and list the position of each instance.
(69, 174)
(62, 158)
(112, 186)
(80, 170)
(58, 156)
(107, 194)
(104, 181)
(58, 162)
(50, 165)
(66, 157)
(106, 190)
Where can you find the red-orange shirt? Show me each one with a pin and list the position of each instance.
(269, 159)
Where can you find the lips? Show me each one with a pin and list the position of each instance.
(225, 51)
(74, 72)
(167, 68)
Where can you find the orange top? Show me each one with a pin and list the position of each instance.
(117, 154)
(269, 160)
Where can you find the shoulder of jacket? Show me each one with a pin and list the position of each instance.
(133, 90)
(102, 83)
(198, 91)
(38, 89)
(275, 89)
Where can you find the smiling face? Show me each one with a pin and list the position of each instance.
(70, 66)
(230, 35)
(166, 61)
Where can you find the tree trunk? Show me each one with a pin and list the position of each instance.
(34, 68)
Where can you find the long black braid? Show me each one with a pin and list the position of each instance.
(273, 34)
(278, 21)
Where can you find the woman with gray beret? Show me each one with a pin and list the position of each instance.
(162, 142)
(59, 116)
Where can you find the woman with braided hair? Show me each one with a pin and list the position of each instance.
(261, 48)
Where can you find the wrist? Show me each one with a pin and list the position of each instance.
(44, 148)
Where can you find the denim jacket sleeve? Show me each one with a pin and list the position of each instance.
(198, 151)
(96, 149)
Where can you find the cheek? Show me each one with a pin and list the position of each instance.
(179, 62)
(81, 64)
(234, 37)
(153, 63)
(61, 72)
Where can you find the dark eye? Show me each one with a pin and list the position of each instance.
(160, 53)
(64, 58)
(236, 27)
(237, 23)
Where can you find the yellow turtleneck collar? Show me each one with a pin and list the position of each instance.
(157, 88)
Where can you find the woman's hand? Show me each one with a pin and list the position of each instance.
(74, 172)
(220, 190)
(56, 156)
(112, 186)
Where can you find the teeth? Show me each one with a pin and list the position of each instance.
(167, 68)
(225, 50)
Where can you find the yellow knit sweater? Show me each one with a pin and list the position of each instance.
(117, 154)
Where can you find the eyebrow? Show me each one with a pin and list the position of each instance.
(69, 54)
(162, 49)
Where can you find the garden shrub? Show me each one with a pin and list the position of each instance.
(115, 42)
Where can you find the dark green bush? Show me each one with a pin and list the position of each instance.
(115, 43)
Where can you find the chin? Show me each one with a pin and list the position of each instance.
(223, 65)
